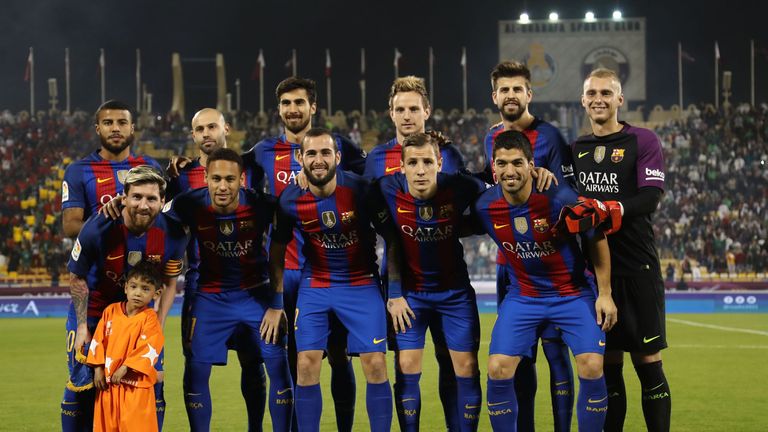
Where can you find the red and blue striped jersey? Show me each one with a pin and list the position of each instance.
(548, 146)
(231, 246)
(276, 161)
(192, 176)
(428, 230)
(384, 160)
(538, 263)
(339, 241)
(105, 250)
(91, 182)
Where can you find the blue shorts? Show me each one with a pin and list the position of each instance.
(520, 317)
(81, 375)
(229, 319)
(291, 282)
(359, 309)
(452, 313)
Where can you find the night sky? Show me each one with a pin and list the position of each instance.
(239, 28)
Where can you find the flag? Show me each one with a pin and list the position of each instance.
(101, 60)
(687, 57)
(463, 61)
(398, 54)
(717, 52)
(328, 63)
(28, 69)
(256, 73)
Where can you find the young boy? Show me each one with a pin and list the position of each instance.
(123, 352)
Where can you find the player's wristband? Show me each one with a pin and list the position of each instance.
(394, 289)
(277, 301)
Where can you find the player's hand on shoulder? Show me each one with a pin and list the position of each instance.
(176, 164)
(439, 138)
(301, 180)
(607, 314)
(544, 178)
(401, 314)
(112, 209)
(273, 320)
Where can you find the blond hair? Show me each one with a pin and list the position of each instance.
(144, 174)
(409, 83)
(605, 73)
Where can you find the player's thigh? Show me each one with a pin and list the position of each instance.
(291, 282)
(514, 332)
(414, 337)
(362, 313)
(576, 317)
(641, 323)
(213, 321)
(311, 326)
(456, 311)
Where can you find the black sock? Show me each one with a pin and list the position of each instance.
(657, 402)
(617, 397)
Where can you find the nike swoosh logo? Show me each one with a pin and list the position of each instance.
(400, 210)
(652, 389)
(497, 226)
(203, 228)
(408, 399)
(493, 404)
(391, 169)
(561, 383)
(69, 403)
(378, 341)
(281, 157)
(468, 406)
(308, 222)
(112, 258)
(601, 343)
(582, 154)
(646, 340)
(283, 391)
(102, 180)
(596, 401)
(194, 394)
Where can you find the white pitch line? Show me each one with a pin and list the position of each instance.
(717, 327)
(674, 345)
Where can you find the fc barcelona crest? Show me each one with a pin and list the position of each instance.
(121, 175)
(246, 225)
(521, 225)
(426, 213)
(154, 259)
(599, 153)
(446, 211)
(134, 257)
(540, 225)
(329, 219)
(226, 227)
(347, 217)
(617, 155)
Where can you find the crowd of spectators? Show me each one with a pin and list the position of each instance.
(713, 213)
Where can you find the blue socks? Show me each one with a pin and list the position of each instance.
(408, 400)
(343, 391)
(560, 382)
(448, 389)
(309, 406)
(378, 400)
(197, 395)
(592, 404)
(159, 404)
(253, 387)
(525, 391)
(470, 399)
(280, 393)
(77, 410)
(502, 404)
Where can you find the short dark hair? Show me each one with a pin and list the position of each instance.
(113, 104)
(144, 174)
(295, 83)
(225, 154)
(512, 139)
(318, 132)
(510, 69)
(419, 139)
(146, 271)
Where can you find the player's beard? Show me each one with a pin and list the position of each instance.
(211, 148)
(513, 116)
(322, 181)
(141, 222)
(295, 128)
(116, 149)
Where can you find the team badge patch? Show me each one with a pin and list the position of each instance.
(329, 219)
(617, 155)
(599, 153)
(521, 225)
(246, 225)
(347, 217)
(167, 206)
(446, 211)
(64, 192)
(540, 225)
(121, 175)
(426, 213)
(226, 227)
(134, 257)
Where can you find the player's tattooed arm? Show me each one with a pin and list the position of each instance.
(607, 314)
(78, 290)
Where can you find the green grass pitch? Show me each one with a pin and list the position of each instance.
(718, 376)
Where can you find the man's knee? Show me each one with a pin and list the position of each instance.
(409, 361)
(465, 363)
(590, 365)
(374, 366)
(502, 366)
(308, 367)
